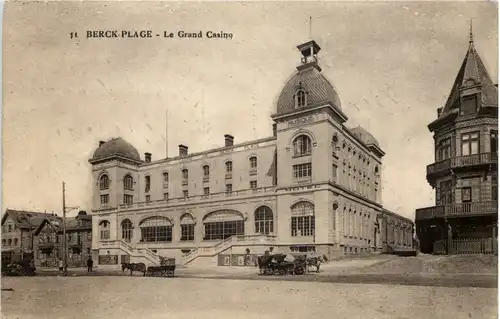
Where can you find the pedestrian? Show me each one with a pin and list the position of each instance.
(61, 266)
(90, 263)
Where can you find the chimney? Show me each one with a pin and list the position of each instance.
(275, 129)
(147, 157)
(229, 139)
(440, 110)
(183, 150)
(101, 142)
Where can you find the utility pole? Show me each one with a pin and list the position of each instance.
(65, 252)
(65, 246)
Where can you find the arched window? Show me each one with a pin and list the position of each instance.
(302, 145)
(187, 227)
(253, 163)
(229, 167)
(128, 182)
(15, 241)
(303, 223)
(104, 182)
(104, 229)
(223, 224)
(156, 229)
(206, 171)
(334, 213)
(264, 223)
(127, 230)
(300, 98)
(3, 242)
(9, 241)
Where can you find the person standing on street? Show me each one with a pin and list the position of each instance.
(61, 267)
(90, 263)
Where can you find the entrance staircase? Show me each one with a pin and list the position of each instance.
(237, 240)
(145, 255)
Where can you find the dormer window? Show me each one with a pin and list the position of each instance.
(300, 98)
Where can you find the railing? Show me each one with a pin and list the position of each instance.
(461, 161)
(227, 243)
(460, 209)
(459, 246)
(245, 192)
(144, 252)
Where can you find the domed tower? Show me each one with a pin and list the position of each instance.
(308, 115)
(114, 174)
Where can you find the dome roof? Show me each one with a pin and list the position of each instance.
(364, 136)
(116, 147)
(317, 86)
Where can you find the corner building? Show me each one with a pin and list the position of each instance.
(312, 186)
(465, 172)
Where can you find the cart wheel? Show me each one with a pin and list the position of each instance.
(170, 273)
(299, 271)
(282, 272)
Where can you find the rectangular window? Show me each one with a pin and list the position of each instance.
(302, 171)
(128, 199)
(469, 105)
(157, 233)
(253, 184)
(165, 196)
(494, 141)
(229, 188)
(148, 198)
(185, 176)
(185, 193)
(445, 193)
(104, 234)
(147, 181)
(302, 226)
(104, 200)
(470, 143)
(165, 179)
(444, 149)
(466, 194)
(187, 232)
(206, 191)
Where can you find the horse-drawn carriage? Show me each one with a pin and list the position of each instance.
(18, 269)
(166, 268)
(281, 264)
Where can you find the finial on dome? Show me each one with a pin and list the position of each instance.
(471, 36)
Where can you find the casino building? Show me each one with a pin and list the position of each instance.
(315, 185)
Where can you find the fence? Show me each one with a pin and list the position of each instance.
(467, 246)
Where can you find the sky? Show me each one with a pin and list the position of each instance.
(392, 63)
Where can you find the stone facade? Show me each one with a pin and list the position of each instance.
(315, 185)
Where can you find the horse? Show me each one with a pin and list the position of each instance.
(141, 267)
(314, 262)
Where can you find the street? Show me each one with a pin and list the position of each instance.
(146, 297)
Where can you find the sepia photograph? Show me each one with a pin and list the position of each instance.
(249, 159)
